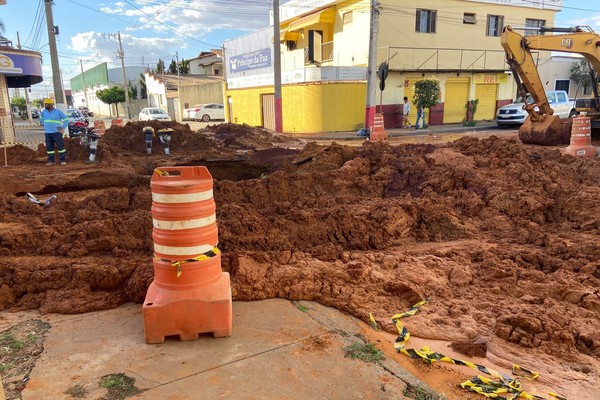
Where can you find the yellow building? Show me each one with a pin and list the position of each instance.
(324, 48)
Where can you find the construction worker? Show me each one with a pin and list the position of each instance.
(55, 122)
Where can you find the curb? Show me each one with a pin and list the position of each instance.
(397, 132)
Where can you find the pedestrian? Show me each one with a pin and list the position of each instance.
(55, 122)
(420, 116)
(405, 112)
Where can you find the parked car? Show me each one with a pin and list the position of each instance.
(85, 111)
(188, 113)
(35, 112)
(74, 115)
(514, 114)
(152, 113)
(207, 112)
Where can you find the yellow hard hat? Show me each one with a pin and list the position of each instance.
(148, 128)
(165, 130)
(48, 101)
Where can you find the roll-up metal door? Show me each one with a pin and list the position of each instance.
(268, 111)
(455, 99)
(486, 93)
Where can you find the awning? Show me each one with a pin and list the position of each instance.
(287, 35)
(325, 16)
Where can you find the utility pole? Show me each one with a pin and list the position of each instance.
(52, 31)
(83, 84)
(178, 86)
(277, 68)
(125, 81)
(372, 67)
(25, 89)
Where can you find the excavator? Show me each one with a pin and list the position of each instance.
(542, 127)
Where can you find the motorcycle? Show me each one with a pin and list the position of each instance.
(78, 127)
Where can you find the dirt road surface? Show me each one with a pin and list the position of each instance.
(502, 237)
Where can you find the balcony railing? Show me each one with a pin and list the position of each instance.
(326, 54)
(436, 59)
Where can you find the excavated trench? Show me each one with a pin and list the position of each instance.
(502, 237)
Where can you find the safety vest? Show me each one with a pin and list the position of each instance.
(52, 120)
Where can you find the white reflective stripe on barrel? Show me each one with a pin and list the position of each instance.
(180, 251)
(182, 198)
(187, 224)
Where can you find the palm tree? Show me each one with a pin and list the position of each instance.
(2, 27)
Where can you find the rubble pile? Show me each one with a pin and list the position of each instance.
(502, 237)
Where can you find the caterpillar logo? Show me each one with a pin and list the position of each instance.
(7, 65)
(568, 43)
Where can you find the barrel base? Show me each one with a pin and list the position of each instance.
(581, 151)
(189, 312)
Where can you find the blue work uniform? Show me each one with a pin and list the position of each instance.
(52, 120)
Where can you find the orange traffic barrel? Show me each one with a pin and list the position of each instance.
(183, 213)
(581, 138)
(117, 122)
(378, 132)
(99, 127)
(190, 294)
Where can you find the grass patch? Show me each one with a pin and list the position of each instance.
(77, 392)
(5, 367)
(364, 351)
(7, 339)
(417, 393)
(302, 308)
(119, 386)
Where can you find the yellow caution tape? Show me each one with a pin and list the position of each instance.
(13, 143)
(495, 389)
(161, 173)
(373, 322)
(202, 257)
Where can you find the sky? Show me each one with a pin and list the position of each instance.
(153, 29)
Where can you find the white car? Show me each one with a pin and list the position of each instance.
(188, 113)
(207, 112)
(152, 113)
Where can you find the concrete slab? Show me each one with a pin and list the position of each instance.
(277, 351)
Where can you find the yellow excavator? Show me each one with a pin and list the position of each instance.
(542, 127)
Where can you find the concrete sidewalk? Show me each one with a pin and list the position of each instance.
(398, 132)
(278, 350)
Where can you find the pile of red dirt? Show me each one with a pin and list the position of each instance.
(503, 238)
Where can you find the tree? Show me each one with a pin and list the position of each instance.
(172, 67)
(21, 104)
(427, 94)
(39, 103)
(143, 90)
(133, 92)
(580, 74)
(113, 95)
(160, 67)
(184, 66)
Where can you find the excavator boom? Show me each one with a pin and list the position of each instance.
(542, 127)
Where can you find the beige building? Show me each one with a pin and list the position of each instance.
(173, 93)
(324, 48)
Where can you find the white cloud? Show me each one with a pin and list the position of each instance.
(102, 48)
(196, 19)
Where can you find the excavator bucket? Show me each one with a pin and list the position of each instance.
(548, 131)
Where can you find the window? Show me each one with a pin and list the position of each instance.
(494, 25)
(291, 45)
(534, 23)
(347, 17)
(469, 18)
(562, 84)
(425, 22)
(561, 97)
